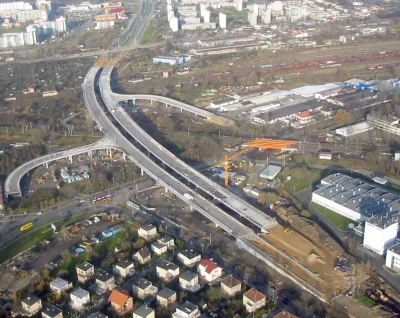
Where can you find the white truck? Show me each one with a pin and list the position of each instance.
(188, 196)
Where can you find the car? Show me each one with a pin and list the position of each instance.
(285, 300)
(39, 213)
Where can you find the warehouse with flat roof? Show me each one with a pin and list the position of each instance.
(355, 199)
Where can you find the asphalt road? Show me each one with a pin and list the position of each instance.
(238, 205)
(63, 210)
(228, 223)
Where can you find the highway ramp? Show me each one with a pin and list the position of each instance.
(208, 209)
(219, 193)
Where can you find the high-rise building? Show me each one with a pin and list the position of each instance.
(174, 24)
(12, 39)
(44, 5)
(206, 16)
(60, 25)
(253, 15)
(222, 20)
(30, 35)
(239, 5)
(15, 6)
(266, 16)
(170, 14)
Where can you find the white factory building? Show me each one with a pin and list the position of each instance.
(354, 129)
(316, 90)
(355, 199)
(393, 257)
(380, 233)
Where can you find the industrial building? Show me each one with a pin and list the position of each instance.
(312, 90)
(172, 60)
(388, 124)
(355, 199)
(380, 233)
(270, 172)
(393, 257)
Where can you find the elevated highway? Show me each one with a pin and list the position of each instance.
(12, 185)
(208, 209)
(219, 193)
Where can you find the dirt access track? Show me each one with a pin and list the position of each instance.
(311, 261)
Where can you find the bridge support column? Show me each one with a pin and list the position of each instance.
(141, 172)
(151, 102)
(166, 190)
(124, 156)
(110, 150)
(70, 159)
(46, 165)
(181, 109)
(90, 154)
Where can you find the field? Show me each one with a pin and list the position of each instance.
(338, 220)
(301, 178)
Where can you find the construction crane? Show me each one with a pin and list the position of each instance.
(259, 143)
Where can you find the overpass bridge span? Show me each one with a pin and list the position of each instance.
(219, 193)
(12, 185)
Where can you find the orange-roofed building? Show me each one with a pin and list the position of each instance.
(208, 270)
(120, 302)
(284, 314)
(305, 117)
(253, 300)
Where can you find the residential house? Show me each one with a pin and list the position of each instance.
(124, 268)
(120, 302)
(230, 285)
(189, 281)
(84, 271)
(166, 297)
(105, 280)
(31, 305)
(147, 231)
(189, 258)
(79, 298)
(143, 288)
(142, 256)
(284, 314)
(208, 270)
(52, 312)
(304, 117)
(187, 310)
(97, 314)
(159, 248)
(167, 240)
(166, 270)
(60, 285)
(253, 300)
(144, 312)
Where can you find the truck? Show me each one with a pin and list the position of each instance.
(188, 196)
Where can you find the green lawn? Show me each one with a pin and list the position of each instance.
(340, 221)
(13, 30)
(147, 34)
(34, 236)
(365, 300)
(345, 163)
(300, 178)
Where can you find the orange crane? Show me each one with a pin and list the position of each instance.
(258, 143)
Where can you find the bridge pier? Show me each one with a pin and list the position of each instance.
(181, 110)
(46, 165)
(124, 156)
(70, 159)
(151, 102)
(90, 154)
(110, 153)
(141, 172)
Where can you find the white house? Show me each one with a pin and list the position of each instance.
(208, 270)
(393, 257)
(79, 298)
